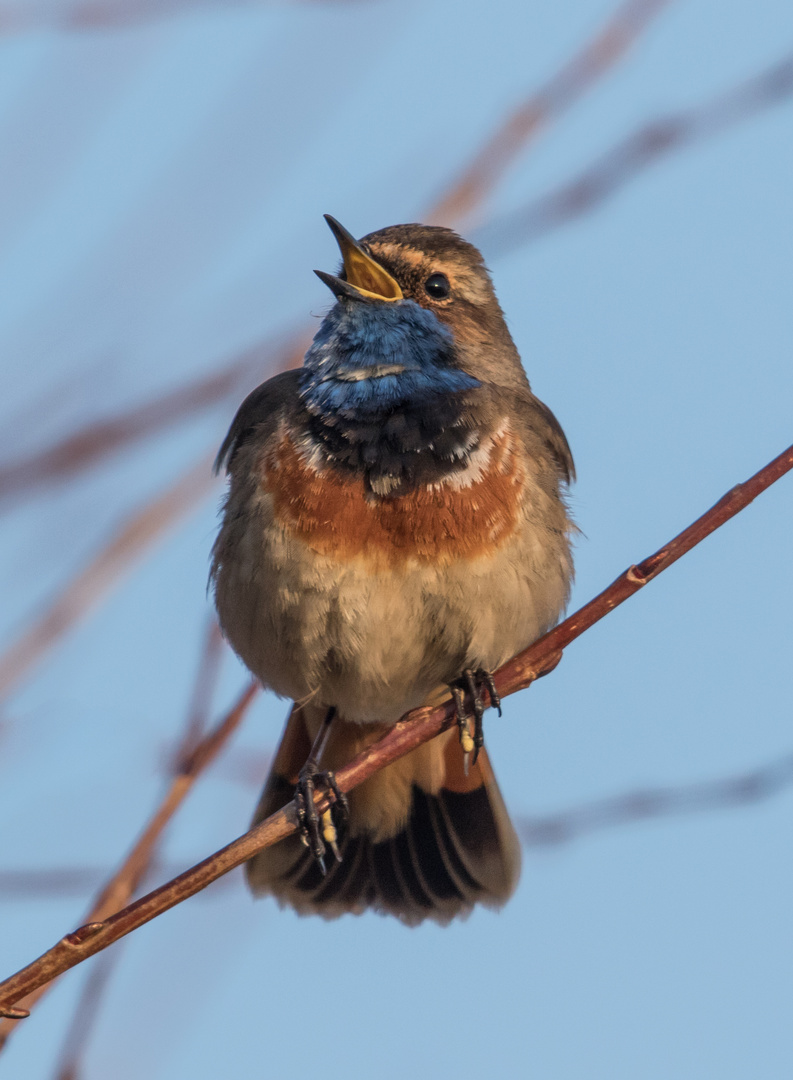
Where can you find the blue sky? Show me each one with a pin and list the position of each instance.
(163, 185)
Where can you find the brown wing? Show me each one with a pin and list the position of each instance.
(258, 414)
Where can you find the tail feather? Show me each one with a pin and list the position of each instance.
(451, 847)
(429, 848)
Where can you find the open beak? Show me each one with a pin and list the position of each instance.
(365, 277)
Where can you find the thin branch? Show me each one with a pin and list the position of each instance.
(418, 727)
(569, 84)
(122, 885)
(84, 590)
(625, 161)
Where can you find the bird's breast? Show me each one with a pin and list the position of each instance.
(470, 512)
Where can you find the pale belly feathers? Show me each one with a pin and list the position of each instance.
(322, 604)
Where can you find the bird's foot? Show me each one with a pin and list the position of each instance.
(318, 830)
(472, 681)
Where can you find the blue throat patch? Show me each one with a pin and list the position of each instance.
(369, 359)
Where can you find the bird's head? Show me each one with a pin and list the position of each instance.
(415, 314)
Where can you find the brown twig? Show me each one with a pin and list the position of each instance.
(127, 878)
(573, 80)
(638, 151)
(116, 557)
(416, 728)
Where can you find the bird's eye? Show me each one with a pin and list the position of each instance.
(437, 286)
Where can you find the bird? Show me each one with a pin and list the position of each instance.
(395, 528)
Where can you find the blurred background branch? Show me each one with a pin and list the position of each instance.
(96, 14)
(466, 195)
(193, 758)
(645, 147)
(646, 804)
(129, 543)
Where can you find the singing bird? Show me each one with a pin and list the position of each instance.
(395, 526)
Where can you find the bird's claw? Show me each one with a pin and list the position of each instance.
(473, 680)
(318, 830)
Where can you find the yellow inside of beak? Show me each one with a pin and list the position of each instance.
(368, 276)
(363, 273)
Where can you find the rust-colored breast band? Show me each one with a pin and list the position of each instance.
(333, 513)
